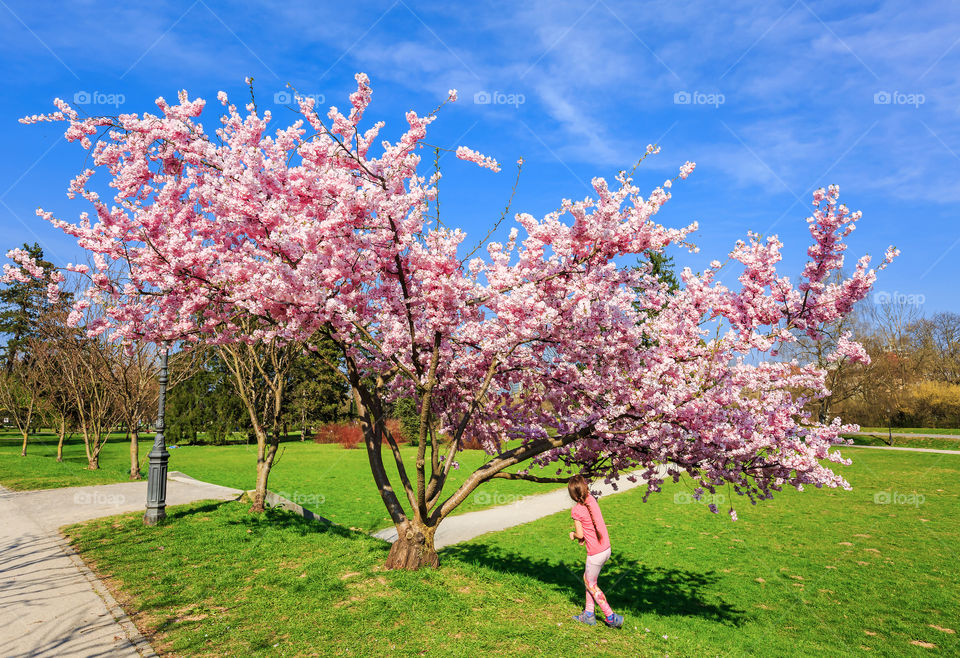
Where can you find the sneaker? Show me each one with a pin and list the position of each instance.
(615, 621)
(587, 618)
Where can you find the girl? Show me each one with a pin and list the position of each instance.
(590, 530)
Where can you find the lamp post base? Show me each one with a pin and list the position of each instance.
(157, 484)
(154, 516)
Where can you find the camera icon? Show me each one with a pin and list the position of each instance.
(481, 498)
(881, 498)
(881, 297)
(881, 98)
(481, 98)
(681, 98)
(81, 98)
(283, 98)
(682, 498)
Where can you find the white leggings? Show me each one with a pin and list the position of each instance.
(590, 574)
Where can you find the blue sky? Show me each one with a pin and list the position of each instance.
(770, 99)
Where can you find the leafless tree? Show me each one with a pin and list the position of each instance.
(259, 374)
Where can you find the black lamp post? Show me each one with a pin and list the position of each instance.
(157, 474)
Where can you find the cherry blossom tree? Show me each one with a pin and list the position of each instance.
(543, 350)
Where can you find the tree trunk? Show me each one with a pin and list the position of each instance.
(93, 463)
(60, 436)
(134, 455)
(25, 427)
(264, 464)
(414, 547)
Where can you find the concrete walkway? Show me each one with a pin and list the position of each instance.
(50, 603)
(455, 529)
(955, 437)
(942, 452)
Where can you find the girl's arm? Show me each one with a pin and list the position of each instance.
(578, 531)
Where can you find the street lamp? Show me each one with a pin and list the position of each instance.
(157, 473)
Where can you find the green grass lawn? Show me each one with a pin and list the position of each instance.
(327, 479)
(817, 573)
(40, 469)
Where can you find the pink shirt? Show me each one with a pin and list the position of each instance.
(580, 513)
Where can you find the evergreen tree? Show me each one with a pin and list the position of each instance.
(21, 307)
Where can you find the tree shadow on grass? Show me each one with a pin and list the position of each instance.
(184, 511)
(277, 518)
(629, 585)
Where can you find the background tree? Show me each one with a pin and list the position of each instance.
(22, 304)
(204, 402)
(938, 340)
(132, 370)
(260, 374)
(316, 393)
(52, 352)
(20, 395)
(24, 300)
(88, 358)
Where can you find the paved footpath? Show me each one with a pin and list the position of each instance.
(462, 527)
(50, 603)
(909, 435)
(942, 452)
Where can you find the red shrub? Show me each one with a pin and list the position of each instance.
(470, 443)
(349, 435)
(346, 434)
(393, 426)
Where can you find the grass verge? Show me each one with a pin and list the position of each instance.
(823, 572)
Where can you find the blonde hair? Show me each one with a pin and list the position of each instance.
(579, 491)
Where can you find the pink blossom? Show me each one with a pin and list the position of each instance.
(470, 155)
(849, 349)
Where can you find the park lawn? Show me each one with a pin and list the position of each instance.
(824, 572)
(40, 469)
(326, 478)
